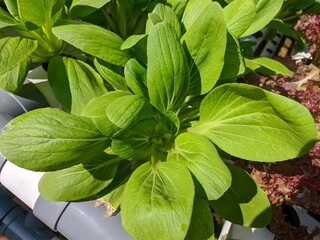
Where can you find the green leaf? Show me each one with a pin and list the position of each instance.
(114, 198)
(233, 60)
(239, 15)
(132, 41)
(245, 203)
(280, 26)
(266, 11)
(80, 181)
(128, 110)
(167, 75)
(49, 139)
(6, 20)
(157, 202)
(93, 40)
(14, 51)
(193, 11)
(13, 80)
(36, 13)
(79, 81)
(166, 14)
(202, 223)
(254, 124)
(134, 143)
(12, 7)
(112, 74)
(136, 78)
(200, 156)
(206, 41)
(96, 110)
(269, 66)
(82, 8)
(178, 6)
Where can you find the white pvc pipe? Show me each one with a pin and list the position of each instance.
(39, 77)
(21, 182)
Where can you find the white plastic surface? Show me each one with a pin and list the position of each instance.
(39, 78)
(234, 231)
(21, 182)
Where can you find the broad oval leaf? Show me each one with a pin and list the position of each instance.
(128, 110)
(80, 181)
(266, 11)
(245, 203)
(254, 124)
(132, 41)
(167, 74)
(200, 156)
(136, 77)
(178, 6)
(205, 41)
(157, 202)
(49, 139)
(93, 40)
(79, 81)
(12, 6)
(239, 15)
(14, 51)
(134, 143)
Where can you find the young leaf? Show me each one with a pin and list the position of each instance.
(269, 66)
(254, 124)
(128, 110)
(200, 156)
(79, 81)
(134, 143)
(178, 6)
(245, 203)
(136, 78)
(205, 41)
(6, 20)
(157, 202)
(93, 40)
(202, 223)
(112, 74)
(233, 59)
(12, 7)
(82, 8)
(49, 139)
(80, 181)
(132, 41)
(239, 16)
(166, 14)
(96, 110)
(266, 11)
(167, 75)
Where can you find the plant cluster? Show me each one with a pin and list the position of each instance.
(309, 27)
(145, 120)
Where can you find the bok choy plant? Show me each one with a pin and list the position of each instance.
(151, 141)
